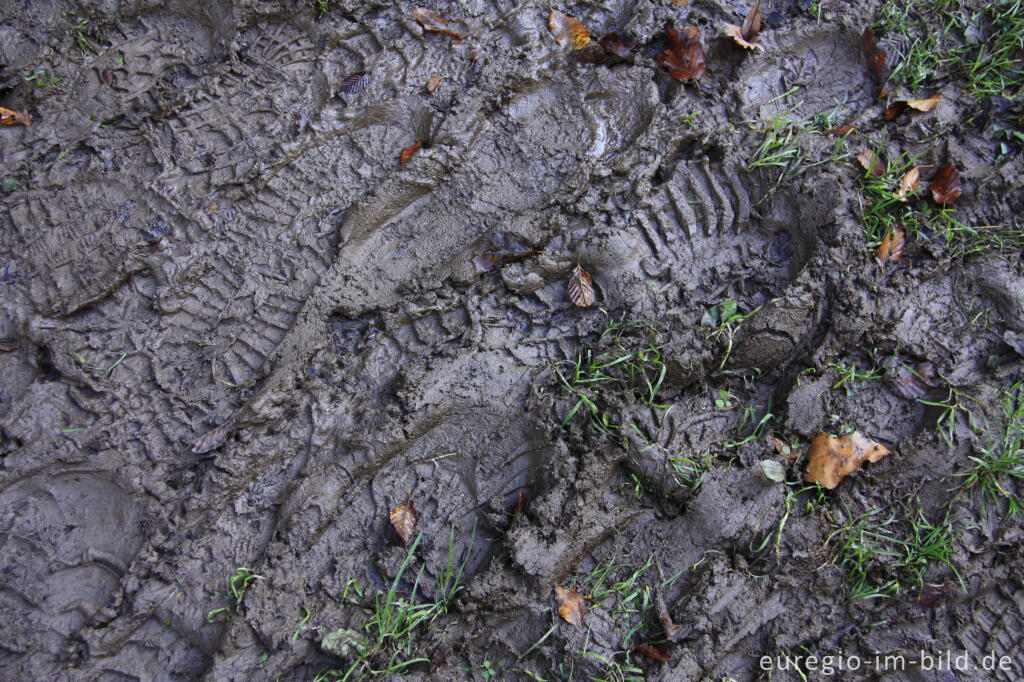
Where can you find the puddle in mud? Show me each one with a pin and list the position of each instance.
(204, 228)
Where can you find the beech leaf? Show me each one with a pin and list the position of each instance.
(570, 605)
(924, 104)
(354, 83)
(214, 438)
(832, 458)
(409, 151)
(655, 652)
(908, 183)
(745, 35)
(9, 117)
(894, 110)
(438, 23)
(433, 83)
(567, 29)
(876, 56)
(683, 56)
(946, 186)
(916, 380)
(840, 130)
(891, 248)
(752, 23)
(403, 518)
(581, 288)
(871, 163)
(505, 247)
(617, 44)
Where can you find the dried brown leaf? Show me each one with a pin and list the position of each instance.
(876, 56)
(924, 104)
(683, 56)
(567, 29)
(908, 183)
(946, 186)
(581, 288)
(9, 117)
(736, 33)
(214, 438)
(832, 458)
(438, 23)
(839, 130)
(403, 518)
(570, 605)
(871, 163)
(506, 247)
(409, 151)
(673, 632)
(895, 110)
(891, 248)
(617, 44)
(521, 503)
(433, 83)
(354, 83)
(752, 23)
(655, 652)
(916, 380)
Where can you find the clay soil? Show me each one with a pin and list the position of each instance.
(237, 333)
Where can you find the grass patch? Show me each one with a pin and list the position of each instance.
(237, 585)
(884, 555)
(632, 361)
(385, 646)
(1001, 459)
(980, 43)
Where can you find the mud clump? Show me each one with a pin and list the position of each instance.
(241, 328)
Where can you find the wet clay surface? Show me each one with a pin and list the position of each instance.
(237, 332)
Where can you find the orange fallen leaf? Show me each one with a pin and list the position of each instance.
(894, 110)
(570, 605)
(875, 55)
(568, 29)
(409, 151)
(925, 104)
(433, 83)
(839, 130)
(946, 186)
(403, 518)
(9, 117)
(891, 248)
(683, 56)
(745, 35)
(438, 23)
(908, 183)
(655, 652)
(617, 44)
(581, 288)
(871, 163)
(832, 458)
(672, 632)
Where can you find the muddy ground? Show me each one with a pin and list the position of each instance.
(207, 240)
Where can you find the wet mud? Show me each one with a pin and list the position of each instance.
(237, 332)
